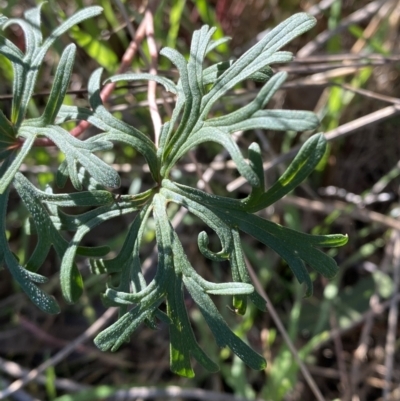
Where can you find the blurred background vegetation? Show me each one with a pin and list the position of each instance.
(347, 71)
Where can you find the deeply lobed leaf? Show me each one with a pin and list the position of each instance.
(197, 90)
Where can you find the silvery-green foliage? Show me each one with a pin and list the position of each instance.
(197, 91)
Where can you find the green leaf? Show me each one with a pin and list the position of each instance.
(81, 152)
(256, 165)
(26, 280)
(191, 75)
(69, 276)
(207, 216)
(212, 73)
(93, 252)
(215, 43)
(32, 16)
(259, 102)
(190, 125)
(128, 257)
(118, 333)
(167, 83)
(3, 19)
(92, 198)
(23, 277)
(240, 273)
(292, 246)
(182, 340)
(47, 234)
(217, 135)
(7, 137)
(75, 19)
(259, 55)
(301, 167)
(7, 132)
(219, 328)
(31, 34)
(60, 85)
(26, 66)
(9, 50)
(62, 174)
(278, 120)
(16, 163)
(117, 130)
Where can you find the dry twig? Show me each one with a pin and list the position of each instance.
(339, 132)
(152, 85)
(15, 370)
(174, 393)
(126, 61)
(392, 319)
(61, 355)
(325, 207)
(358, 16)
(281, 328)
(42, 335)
(338, 344)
